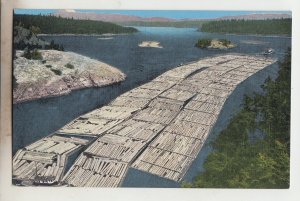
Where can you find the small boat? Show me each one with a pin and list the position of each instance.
(269, 51)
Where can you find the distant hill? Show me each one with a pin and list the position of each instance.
(109, 17)
(96, 16)
(256, 17)
(130, 18)
(241, 26)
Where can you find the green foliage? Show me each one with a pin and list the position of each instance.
(203, 43)
(49, 66)
(32, 54)
(236, 162)
(270, 26)
(70, 66)
(225, 42)
(56, 71)
(58, 25)
(54, 46)
(35, 30)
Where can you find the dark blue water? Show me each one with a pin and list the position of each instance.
(34, 119)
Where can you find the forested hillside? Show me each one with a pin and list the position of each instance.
(271, 26)
(254, 150)
(58, 25)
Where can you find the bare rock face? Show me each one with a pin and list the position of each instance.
(59, 73)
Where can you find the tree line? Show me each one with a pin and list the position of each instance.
(269, 26)
(254, 150)
(47, 24)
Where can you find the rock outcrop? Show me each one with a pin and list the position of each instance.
(59, 73)
(219, 44)
(154, 44)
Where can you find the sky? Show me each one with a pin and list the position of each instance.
(155, 13)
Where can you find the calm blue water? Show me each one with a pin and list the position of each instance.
(35, 119)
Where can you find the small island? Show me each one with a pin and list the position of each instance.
(214, 43)
(154, 44)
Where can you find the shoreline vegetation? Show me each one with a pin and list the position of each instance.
(204, 43)
(47, 24)
(254, 150)
(257, 27)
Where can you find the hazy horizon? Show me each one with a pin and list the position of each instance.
(173, 14)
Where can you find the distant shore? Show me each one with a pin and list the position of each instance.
(98, 35)
(254, 35)
(260, 35)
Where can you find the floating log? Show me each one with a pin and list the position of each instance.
(89, 126)
(177, 94)
(111, 113)
(96, 172)
(204, 107)
(39, 157)
(158, 85)
(143, 93)
(177, 144)
(128, 101)
(167, 104)
(74, 140)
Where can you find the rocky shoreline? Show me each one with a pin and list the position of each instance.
(218, 44)
(58, 73)
(154, 44)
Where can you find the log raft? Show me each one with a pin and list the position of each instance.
(159, 127)
(43, 162)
